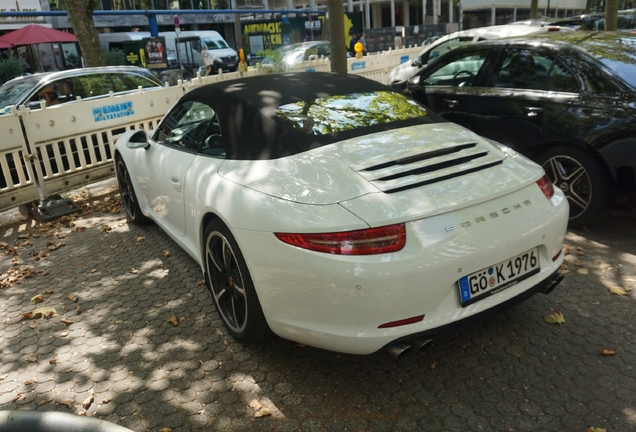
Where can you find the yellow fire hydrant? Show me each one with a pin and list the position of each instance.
(242, 66)
(358, 48)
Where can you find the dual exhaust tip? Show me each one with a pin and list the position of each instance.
(400, 349)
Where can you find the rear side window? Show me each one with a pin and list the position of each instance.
(523, 68)
(88, 86)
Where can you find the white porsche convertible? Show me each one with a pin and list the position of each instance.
(329, 210)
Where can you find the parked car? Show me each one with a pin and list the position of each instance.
(401, 73)
(86, 83)
(292, 55)
(334, 212)
(566, 100)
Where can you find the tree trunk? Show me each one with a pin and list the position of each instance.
(338, 53)
(611, 15)
(534, 9)
(80, 14)
(588, 6)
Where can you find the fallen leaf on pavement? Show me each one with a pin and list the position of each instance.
(606, 352)
(134, 271)
(37, 299)
(262, 412)
(53, 361)
(583, 271)
(67, 402)
(577, 263)
(617, 290)
(43, 402)
(89, 400)
(73, 298)
(32, 359)
(174, 320)
(593, 429)
(67, 322)
(49, 291)
(555, 318)
(165, 253)
(44, 312)
(106, 400)
(165, 430)
(18, 397)
(26, 315)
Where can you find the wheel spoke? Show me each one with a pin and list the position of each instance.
(577, 173)
(579, 201)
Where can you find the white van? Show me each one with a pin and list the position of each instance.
(190, 43)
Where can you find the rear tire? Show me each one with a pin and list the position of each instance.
(583, 180)
(231, 286)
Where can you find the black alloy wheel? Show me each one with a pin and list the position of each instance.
(231, 286)
(127, 194)
(583, 181)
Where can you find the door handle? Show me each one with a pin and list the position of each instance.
(176, 183)
(451, 103)
(532, 111)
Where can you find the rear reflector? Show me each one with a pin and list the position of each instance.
(546, 186)
(402, 322)
(556, 257)
(371, 241)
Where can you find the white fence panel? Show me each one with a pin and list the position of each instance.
(17, 184)
(74, 143)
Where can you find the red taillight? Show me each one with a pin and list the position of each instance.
(402, 322)
(546, 186)
(551, 29)
(556, 257)
(371, 241)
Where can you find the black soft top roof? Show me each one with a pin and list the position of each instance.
(246, 108)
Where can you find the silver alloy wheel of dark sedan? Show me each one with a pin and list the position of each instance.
(572, 178)
(583, 181)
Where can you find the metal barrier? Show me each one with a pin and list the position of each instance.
(51, 150)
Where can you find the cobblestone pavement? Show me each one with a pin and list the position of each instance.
(113, 354)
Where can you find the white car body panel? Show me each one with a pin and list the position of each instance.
(407, 69)
(161, 171)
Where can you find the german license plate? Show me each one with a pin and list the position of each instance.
(496, 278)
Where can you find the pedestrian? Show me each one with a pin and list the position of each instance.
(206, 61)
(352, 44)
(363, 41)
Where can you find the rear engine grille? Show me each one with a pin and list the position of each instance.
(430, 167)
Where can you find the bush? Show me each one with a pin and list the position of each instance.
(10, 68)
(115, 57)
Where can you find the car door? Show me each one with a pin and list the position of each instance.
(449, 85)
(526, 91)
(162, 168)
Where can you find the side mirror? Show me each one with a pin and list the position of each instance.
(138, 140)
(417, 62)
(413, 84)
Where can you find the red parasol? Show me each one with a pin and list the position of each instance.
(4, 45)
(36, 34)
